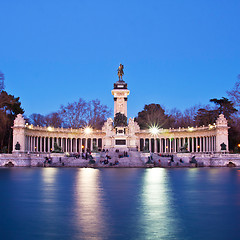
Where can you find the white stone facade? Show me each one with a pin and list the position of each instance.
(35, 139)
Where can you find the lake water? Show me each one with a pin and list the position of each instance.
(74, 203)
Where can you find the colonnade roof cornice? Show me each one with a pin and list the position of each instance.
(80, 131)
(59, 130)
(63, 135)
(189, 129)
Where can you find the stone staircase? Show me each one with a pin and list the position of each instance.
(133, 159)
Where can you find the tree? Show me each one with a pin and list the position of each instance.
(9, 108)
(37, 119)
(234, 134)
(1, 82)
(153, 115)
(97, 114)
(234, 94)
(189, 116)
(80, 114)
(120, 120)
(225, 106)
(206, 117)
(54, 120)
(74, 114)
(176, 118)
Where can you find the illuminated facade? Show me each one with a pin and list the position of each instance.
(35, 139)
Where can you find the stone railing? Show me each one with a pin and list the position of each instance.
(189, 129)
(63, 130)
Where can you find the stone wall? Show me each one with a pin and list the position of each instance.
(37, 160)
(18, 161)
(212, 160)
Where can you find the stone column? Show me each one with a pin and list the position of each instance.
(29, 144)
(197, 144)
(40, 142)
(44, 144)
(200, 139)
(211, 145)
(155, 145)
(33, 144)
(36, 142)
(209, 141)
(203, 144)
(61, 145)
(80, 145)
(208, 144)
(192, 144)
(160, 146)
(48, 138)
(70, 145)
(214, 143)
(85, 147)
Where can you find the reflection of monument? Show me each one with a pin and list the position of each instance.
(120, 132)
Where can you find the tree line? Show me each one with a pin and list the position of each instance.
(78, 114)
(198, 115)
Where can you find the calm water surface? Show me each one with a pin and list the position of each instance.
(58, 203)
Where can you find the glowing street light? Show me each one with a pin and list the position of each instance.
(190, 129)
(88, 130)
(154, 130)
(50, 129)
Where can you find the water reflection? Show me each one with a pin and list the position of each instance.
(49, 175)
(158, 218)
(90, 206)
(49, 185)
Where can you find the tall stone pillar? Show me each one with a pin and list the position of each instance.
(19, 140)
(120, 94)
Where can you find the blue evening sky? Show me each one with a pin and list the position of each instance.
(176, 53)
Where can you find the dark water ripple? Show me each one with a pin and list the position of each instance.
(57, 203)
